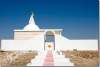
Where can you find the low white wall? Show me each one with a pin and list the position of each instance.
(62, 43)
(34, 44)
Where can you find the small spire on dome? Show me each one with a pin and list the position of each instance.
(31, 26)
(32, 14)
(31, 20)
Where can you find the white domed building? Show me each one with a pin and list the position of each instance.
(31, 37)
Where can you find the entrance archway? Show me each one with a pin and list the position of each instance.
(49, 39)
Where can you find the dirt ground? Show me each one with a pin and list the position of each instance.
(83, 58)
(16, 58)
(21, 58)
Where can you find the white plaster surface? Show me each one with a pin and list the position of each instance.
(31, 44)
(62, 43)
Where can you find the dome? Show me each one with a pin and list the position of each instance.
(31, 25)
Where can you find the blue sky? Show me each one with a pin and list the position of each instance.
(78, 18)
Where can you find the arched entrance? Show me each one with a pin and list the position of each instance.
(49, 39)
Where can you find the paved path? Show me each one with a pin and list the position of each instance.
(50, 58)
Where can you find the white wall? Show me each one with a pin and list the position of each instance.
(62, 43)
(25, 35)
(33, 44)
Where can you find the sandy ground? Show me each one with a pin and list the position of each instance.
(21, 58)
(83, 58)
(16, 58)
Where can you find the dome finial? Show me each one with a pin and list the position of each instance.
(32, 13)
(31, 20)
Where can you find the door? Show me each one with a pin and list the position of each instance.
(49, 41)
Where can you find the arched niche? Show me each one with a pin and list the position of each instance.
(49, 40)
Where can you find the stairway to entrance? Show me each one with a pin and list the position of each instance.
(60, 60)
(50, 58)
